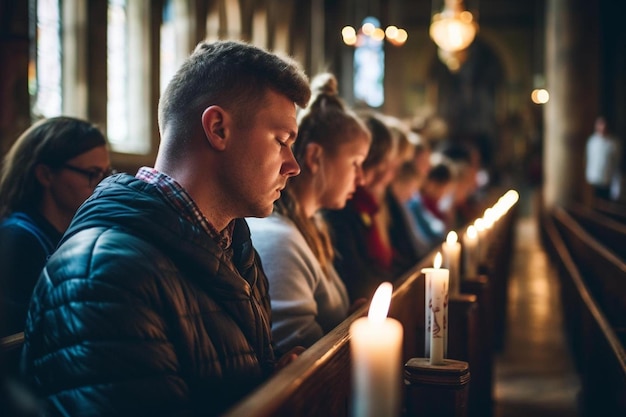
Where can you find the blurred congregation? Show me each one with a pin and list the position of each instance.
(200, 198)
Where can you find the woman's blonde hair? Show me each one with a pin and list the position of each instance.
(328, 122)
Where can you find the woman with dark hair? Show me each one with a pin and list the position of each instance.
(308, 298)
(47, 174)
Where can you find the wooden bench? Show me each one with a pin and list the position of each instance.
(598, 352)
(603, 271)
(318, 383)
(613, 209)
(604, 228)
(10, 352)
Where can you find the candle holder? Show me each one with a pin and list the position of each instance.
(436, 390)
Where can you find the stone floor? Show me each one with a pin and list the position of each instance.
(534, 374)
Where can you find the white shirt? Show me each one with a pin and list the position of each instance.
(603, 158)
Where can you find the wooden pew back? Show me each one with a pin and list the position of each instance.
(599, 354)
(607, 230)
(604, 272)
(318, 383)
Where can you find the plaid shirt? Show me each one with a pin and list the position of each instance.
(180, 200)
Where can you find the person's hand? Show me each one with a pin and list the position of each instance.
(358, 303)
(289, 357)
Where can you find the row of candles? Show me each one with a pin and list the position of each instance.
(376, 340)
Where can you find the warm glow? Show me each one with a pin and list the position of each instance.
(471, 232)
(489, 217)
(378, 34)
(380, 303)
(402, 37)
(348, 33)
(540, 96)
(479, 224)
(391, 32)
(452, 238)
(438, 261)
(368, 29)
(453, 29)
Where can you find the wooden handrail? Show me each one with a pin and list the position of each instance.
(11, 342)
(601, 357)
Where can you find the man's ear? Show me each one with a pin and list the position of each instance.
(215, 122)
(43, 173)
(313, 157)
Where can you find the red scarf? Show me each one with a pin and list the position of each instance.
(367, 207)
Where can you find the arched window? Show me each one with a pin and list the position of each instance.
(45, 70)
(369, 65)
(128, 76)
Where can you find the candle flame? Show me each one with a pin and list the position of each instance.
(380, 303)
(472, 233)
(452, 238)
(438, 260)
(479, 224)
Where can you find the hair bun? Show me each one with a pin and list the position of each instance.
(324, 83)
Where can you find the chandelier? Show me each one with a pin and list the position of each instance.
(453, 30)
(371, 30)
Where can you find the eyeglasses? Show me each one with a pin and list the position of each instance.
(93, 175)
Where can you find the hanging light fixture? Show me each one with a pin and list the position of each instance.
(371, 30)
(454, 28)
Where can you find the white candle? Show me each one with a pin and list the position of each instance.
(451, 260)
(436, 309)
(481, 248)
(470, 246)
(376, 348)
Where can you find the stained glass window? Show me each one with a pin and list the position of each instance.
(45, 66)
(168, 44)
(117, 74)
(369, 67)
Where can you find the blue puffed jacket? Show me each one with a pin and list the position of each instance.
(140, 313)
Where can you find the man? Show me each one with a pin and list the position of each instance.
(155, 302)
(603, 154)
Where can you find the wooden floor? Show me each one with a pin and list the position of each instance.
(534, 373)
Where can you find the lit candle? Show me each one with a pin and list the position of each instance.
(470, 246)
(376, 346)
(436, 309)
(481, 248)
(451, 260)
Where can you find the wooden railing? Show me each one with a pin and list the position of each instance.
(613, 209)
(606, 229)
(318, 383)
(599, 354)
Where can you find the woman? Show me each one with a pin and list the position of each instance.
(365, 254)
(308, 298)
(46, 175)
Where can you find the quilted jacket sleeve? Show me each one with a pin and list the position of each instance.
(96, 339)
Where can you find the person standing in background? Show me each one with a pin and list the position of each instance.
(602, 159)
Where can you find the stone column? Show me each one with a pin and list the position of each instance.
(572, 62)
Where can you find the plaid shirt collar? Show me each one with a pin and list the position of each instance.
(180, 200)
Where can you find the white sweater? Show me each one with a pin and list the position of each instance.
(306, 303)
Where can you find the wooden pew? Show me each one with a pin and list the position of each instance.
(318, 383)
(604, 272)
(598, 352)
(604, 228)
(10, 352)
(613, 209)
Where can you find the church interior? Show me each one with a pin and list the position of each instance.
(521, 82)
